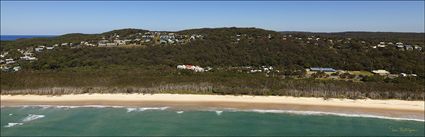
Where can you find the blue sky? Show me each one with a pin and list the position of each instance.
(62, 17)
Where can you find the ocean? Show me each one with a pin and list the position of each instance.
(14, 37)
(161, 121)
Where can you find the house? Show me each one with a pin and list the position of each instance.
(322, 69)
(170, 41)
(29, 58)
(191, 67)
(64, 44)
(400, 46)
(192, 37)
(49, 48)
(10, 61)
(381, 46)
(4, 54)
(38, 49)
(267, 68)
(4, 68)
(119, 42)
(17, 68)
(418, 47)
(408, 47)
(101, 44)
(408, 75)
(255, 70)
(381, 72)
(163, 41)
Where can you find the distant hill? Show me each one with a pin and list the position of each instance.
(228, 31)
(124, 32)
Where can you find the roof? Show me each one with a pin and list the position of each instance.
(380, 71)
(321, 69)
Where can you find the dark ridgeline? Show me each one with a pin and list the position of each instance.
(151, 69)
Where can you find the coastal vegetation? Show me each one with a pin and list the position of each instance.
(163, 79)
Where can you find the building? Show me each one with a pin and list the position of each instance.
(10, 61)
(408, 47)
(17, 68)
(29, 58)
(418, 47)
(322, 69)
(380, 45)
(191, 67)
(381, 72)
(38, 49)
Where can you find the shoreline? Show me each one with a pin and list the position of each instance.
(382, 108)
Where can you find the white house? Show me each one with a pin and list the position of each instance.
(38, 49)
(191, 67)
(17, 68)
(409, 47)
(381, 72)
(418, 47)
(10, 61)
(4, 54)
(29, 58)
(380, 45)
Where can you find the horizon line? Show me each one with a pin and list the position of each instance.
(305, 31)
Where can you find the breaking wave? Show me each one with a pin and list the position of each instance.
(28, 118)
(13, 124)
(218, 112)
(32, 117)
(328, 113)
(145, 108)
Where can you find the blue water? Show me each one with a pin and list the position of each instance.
(90, 121)
(14, 37)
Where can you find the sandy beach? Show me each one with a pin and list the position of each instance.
(386, 108)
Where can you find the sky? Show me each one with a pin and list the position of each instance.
(61, 17)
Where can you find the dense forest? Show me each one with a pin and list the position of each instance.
(151, 69)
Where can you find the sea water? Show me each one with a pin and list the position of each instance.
(153, 121)
(15, 37)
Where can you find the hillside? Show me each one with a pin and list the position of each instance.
(149, 59)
